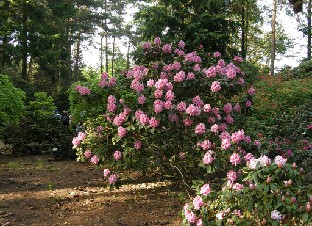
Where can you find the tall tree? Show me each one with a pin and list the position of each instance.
(201, 22)
(273, 43)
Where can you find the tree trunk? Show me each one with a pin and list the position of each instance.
(128, 56)
(24, 43)
(113, 55)
(77, 58)
(101, 54)
(243, 50)
(309, 30)
(106, 53)
(273, 38)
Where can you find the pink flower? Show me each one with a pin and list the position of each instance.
(166, 48)
(168, 105)
(153, 122)
(81, 136)
(76, 141)
(193, 110)
(179, 77)
(198, 101)
(221, 63)
(251, 91)
(144, 119)
(190, 76)
(158, 93)
(238, 136)
(210, 72)
(205, 145)
(111, 107)
(231, 175)
(106, 172)
(99, 129)
(235, 159)
(169, 95)
(199, 222)
(190, 216)
(137, 144)
(280, 161)
(181, 44)
(237, 108)
(112, 179)
(225, 144)
(157, 41)
(222, 127)
(230, 73)
(257, 143)
(122, 131)
(205, 189)
(216, 54)
(208, 159)
(141, 99)
(238, 59)
(150, 83)
(215, 86)
(248, 157)
(200, 128)
(276, 215)
(146, 45)
(158, 106)
(117, 155)
(87, 154)
(182, 155)
(248, 104)
(181, 106)
(227, 108)
(198, 202)
(94, 160)
(187, 122)
(214, 128)
(238, 187)
(207, 108)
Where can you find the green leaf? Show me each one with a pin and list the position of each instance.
(305, 217)
(273, 187)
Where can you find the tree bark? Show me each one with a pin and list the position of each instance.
(273, 38)
(309, 31)
(113, 55)
(24, 43)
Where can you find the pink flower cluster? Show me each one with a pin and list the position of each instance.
(83, 90)
(105, 81)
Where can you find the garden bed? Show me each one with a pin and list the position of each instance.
(36, 190)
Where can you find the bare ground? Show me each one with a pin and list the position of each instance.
(36, 190)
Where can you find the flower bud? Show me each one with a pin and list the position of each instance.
(283, 198)
(308, 207)
(268, 180)
(264, 221)
(301, 170)
(294, 165)
(287, 194)
(293, 200)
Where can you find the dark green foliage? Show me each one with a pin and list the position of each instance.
(39, 131)
(304, 70)
(11, 102)
(281, 118)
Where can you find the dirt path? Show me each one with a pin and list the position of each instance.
(35, 190)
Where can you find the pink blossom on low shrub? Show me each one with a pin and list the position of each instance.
(117, 155)
(112, 179)
(94, 159)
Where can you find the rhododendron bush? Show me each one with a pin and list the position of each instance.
(174, 111)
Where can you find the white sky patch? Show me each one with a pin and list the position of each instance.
(292, 57)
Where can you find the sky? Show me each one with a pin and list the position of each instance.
(292, 57)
